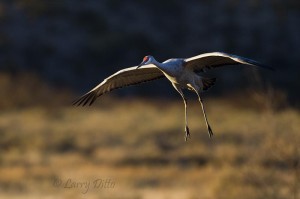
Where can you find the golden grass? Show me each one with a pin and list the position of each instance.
(140, 145)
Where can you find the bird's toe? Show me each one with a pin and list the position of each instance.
(187, 133)
(210, 132)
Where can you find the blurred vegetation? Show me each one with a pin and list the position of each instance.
(26, 90)
(140, 144)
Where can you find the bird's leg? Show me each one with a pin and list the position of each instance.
(210, 133)
(187, 131)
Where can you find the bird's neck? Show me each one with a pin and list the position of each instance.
(164, 67)
(158, 64)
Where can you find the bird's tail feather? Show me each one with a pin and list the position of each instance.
(208, 82)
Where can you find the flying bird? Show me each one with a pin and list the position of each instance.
(183, 73)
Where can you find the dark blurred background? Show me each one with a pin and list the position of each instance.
(75, 43)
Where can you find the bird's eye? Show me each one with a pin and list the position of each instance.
(145, 58)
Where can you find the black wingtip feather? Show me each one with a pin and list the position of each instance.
(87, 99)
(255, 63)
(76, 102)
(93, 100)
(269, 68)
(263, 66)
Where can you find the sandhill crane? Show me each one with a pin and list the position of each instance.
(182, 73)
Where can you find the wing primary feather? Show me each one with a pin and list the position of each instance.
(80, 100)
(85, 100)
(90, 95)
(77, 102)
(93, 99)
(255, 63)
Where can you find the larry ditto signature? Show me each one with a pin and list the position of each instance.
(84, 186)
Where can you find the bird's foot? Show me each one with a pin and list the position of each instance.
(210, 132)
(187, 133)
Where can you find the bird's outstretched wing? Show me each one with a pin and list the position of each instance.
(122, 78)
(207, 61)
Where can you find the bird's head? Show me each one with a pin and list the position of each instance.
(146, 60)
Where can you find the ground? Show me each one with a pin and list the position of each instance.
(135, 148)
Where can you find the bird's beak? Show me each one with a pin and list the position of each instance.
(140, 65)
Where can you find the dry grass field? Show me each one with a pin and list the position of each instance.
(135, 148)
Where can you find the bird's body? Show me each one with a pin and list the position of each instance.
(175, 71)
(182, 73)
